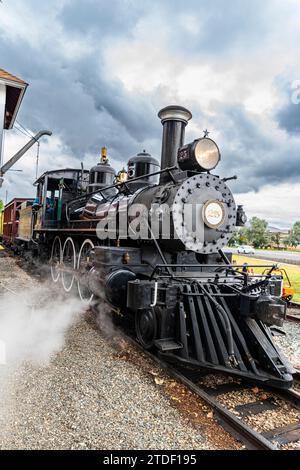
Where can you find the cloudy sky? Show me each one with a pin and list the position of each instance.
(100, 70)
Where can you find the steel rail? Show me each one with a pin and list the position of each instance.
(236, 427)
(293, 395)
(241, 431)
(294, 304)
(294, 318)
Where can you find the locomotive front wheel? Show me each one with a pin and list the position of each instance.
(84, 266)
(146, 327)
(55, 259)
(69, 264)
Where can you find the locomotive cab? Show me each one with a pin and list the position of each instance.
(54, 190)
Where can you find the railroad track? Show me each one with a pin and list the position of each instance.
(294, 305)
(233, 419)
(295, 317)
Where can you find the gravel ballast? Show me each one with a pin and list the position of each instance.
(96, 393)
(87, 399)
(289, 343)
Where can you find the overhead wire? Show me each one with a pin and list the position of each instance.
(22, 132)
(37, 160)
(24, 128)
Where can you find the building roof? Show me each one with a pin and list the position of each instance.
(11, 78)
(15, 89)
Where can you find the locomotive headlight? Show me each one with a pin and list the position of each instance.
(207, 154)
(201, 155)
(213, 214)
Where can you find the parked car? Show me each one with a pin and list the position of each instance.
(246, 250)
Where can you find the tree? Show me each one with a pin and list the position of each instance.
(1, 205)
(234, 239)
(296, 230)
(239, 237)
(276, 239)
(293, 238)
(257, 233)
(243, 236)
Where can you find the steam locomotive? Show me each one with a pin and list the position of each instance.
(150, 243)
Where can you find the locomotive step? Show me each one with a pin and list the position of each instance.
(167, 345)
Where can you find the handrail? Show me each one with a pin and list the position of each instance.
(226, 267)
(125, 183)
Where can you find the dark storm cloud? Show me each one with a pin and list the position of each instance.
(71, 96)
(216, 27)
(75, 102)
(213, 29)
(288, 116)
(252, 152)
(101, 17)
(74, 97)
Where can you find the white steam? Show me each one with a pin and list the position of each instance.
(33, 324)
(104, 319)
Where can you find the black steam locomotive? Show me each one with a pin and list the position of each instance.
(150, 243)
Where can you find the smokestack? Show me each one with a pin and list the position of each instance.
(174, 120)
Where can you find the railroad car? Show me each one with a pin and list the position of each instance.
(1, 224)
(150, 242)
(11, 216)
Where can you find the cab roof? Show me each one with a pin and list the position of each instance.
(62, 173)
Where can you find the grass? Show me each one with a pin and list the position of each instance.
(293, 250)
(293, 271)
